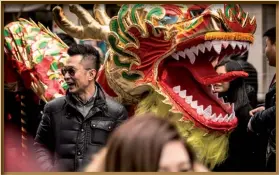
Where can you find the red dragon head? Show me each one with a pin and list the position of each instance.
(166, 51)
(169, 49)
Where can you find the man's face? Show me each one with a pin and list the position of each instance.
(77, 74)
(270, 52)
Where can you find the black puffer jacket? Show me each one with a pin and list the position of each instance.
(66, 141)
(264, 122)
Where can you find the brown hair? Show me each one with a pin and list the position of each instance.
(136, 146)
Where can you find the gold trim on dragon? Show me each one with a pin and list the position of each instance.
(229, 36)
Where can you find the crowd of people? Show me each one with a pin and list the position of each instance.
(86, 130)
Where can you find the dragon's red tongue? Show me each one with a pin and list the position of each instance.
(205, 74)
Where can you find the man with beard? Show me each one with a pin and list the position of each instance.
(77, 125)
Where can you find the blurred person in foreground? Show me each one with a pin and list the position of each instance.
(263, 118)
(146, 144)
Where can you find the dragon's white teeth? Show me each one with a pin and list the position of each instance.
(208, 111)
(195, 50)
(223, 118)
(175, 56)
(217, 118)
(211, 117)
(208, 45)
(189, 99)
(194, 104)
(233, 44)
(201, 47)
(182, 94)
(192, 52)
(225, 44)
(217, 46)
(176, 89)
(200, 109)
(182, 54)
(191, 56)
(231, 117)
(239, 44)
(245, 45)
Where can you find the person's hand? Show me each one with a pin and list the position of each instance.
(258, 109)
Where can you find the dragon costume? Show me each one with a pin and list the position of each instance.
(158, 60)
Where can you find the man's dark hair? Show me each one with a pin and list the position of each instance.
(271, 34)
(67, 39)
(88, 52)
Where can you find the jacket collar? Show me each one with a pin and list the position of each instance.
(100, 99)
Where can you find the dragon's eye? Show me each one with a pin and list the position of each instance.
(169, 20)
(195, 13)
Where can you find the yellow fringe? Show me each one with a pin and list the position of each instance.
(229, 36)
(211, 148)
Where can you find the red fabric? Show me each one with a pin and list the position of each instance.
(53, 85)
(53, 88)
(172, 9)
(102, 80)
(150, 49)
(188, 16)
(42, 69)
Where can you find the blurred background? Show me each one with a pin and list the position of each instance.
(265, 16)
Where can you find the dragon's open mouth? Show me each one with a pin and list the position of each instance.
(187, 80)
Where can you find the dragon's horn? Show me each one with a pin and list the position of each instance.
(82, 14)
(100, 14)
(66, 25)
(90, 28)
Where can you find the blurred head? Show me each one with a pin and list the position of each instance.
(270, 47)
(147, 143)
(243, 56)
(67, 39)
(81, 68)
(235, 90)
